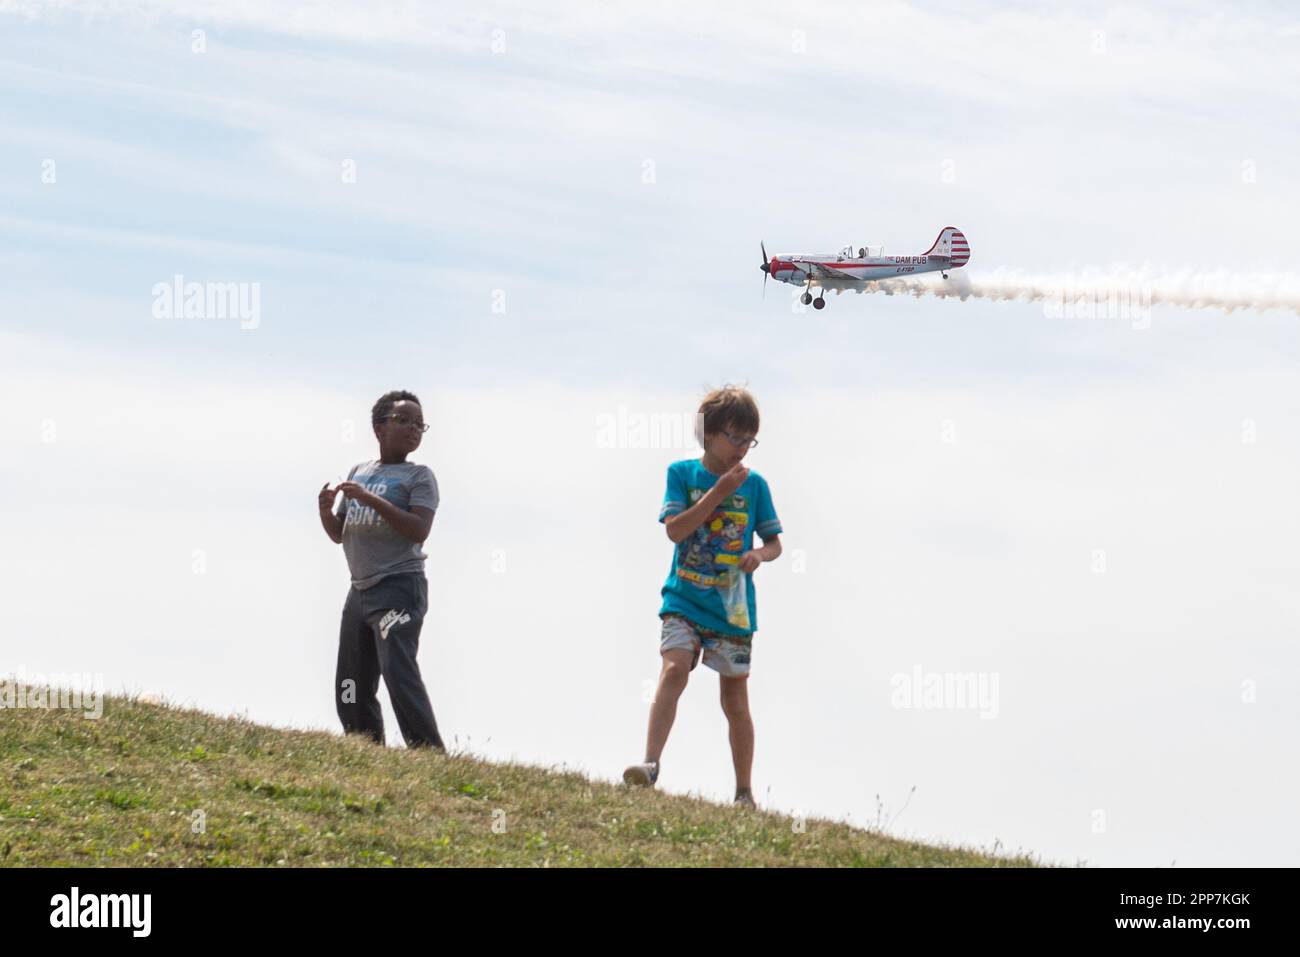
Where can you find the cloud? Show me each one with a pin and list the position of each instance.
(546, 142)
(1178, 56)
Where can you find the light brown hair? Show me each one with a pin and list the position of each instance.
(729, 407)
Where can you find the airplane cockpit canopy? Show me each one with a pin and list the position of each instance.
(860, 252)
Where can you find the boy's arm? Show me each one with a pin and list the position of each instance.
(767, 527)
(770, 551)
(332, 523)
(681, 525)
(413, 525)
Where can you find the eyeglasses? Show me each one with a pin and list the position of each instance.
(740, 442)
(403, 420)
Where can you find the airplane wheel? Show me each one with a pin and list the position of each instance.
(819, 303)
(806, 298)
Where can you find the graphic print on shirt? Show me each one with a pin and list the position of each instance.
(359, 514)
(715, 546)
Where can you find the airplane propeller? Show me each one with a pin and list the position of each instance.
(766, 267)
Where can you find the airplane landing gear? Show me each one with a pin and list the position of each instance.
(943, 274)
(819, 303)
(807, 298)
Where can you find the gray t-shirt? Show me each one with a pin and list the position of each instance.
(375, 549)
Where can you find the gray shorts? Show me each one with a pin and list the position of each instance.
(728, 655)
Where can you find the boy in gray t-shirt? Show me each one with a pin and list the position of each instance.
(384, 517)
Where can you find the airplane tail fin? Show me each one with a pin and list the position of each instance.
(951, 245)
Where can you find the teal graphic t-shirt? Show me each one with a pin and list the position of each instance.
(704, 579)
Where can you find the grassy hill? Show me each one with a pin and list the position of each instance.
(151, 784)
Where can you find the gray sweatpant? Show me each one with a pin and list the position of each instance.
(379, 637)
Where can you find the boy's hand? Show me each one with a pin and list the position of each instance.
(770, 552)
(733, 478)
(358, 491)
(333, 524)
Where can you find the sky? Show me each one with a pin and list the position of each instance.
(545, 221)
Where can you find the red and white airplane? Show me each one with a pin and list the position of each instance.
(848, 271)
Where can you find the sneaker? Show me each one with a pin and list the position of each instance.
(744, 798)
(642, 775)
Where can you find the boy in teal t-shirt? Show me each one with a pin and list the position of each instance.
(713, 507)
(700, 585)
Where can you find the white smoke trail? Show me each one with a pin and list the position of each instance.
(1115, 292)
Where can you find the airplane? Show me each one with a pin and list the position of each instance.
(846, 270)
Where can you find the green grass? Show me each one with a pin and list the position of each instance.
(152, 784)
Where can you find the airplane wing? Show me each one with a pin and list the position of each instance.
(822, 271)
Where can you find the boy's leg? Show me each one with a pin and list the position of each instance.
(397, 640)
(735, 704)
(679, 649)
(677, 664)
(356, 677)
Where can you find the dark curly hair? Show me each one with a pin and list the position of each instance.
(384, 407)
